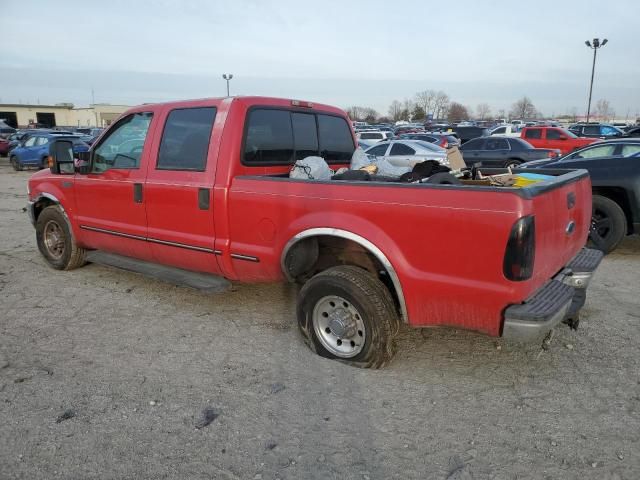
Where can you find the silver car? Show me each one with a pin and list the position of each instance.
(406, 153)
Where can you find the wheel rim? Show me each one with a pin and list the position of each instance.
(54, 239)
(600, 227)
(339, 326)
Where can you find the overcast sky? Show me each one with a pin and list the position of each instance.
(339, 52)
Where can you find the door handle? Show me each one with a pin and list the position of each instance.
(137, 192)
(203, 198)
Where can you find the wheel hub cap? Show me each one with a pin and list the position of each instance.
(338, 326)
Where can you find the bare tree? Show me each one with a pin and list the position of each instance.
(355, 113)
(395, 110)
(502, 114)
(573, 113)
(441, 103)
(426, 99)
(483, 111)
(603, 107)
(457, 112)
(523, 109)
(370, 115)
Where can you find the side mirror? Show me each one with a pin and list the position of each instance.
(61, 157)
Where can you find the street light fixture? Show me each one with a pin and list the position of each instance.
(594, 46)
(228, 77)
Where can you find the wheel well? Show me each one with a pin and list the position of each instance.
(312, 255)
(40, 205)
(618, 195)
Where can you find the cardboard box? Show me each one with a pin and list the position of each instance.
(456, 162)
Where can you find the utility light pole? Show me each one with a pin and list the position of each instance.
(227, 77)
(594, 46)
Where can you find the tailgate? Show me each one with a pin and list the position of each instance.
(562, 217)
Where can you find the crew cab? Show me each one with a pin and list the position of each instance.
(554, 137)
(196, 190)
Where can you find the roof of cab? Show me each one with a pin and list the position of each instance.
(247, 100)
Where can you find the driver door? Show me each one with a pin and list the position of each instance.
(110, 199)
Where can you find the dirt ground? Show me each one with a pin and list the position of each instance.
(107, 374)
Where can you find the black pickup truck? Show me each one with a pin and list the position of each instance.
(614, 166)
(497, 151)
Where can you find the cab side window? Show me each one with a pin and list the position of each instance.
(533, 133)
(185, 139)
(122, 147)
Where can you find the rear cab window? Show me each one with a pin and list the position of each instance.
(282, 136)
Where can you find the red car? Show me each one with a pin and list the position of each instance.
(4, 146)
(555, 137)
(199, 190)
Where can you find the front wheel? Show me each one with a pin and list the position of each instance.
(15, 163)
(608, 224)
(55, 241)
(346, 313)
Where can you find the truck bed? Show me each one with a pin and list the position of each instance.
(447, 242)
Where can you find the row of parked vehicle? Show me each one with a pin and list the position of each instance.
(614, 164)
(30, 147)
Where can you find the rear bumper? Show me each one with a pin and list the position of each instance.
(559, 299)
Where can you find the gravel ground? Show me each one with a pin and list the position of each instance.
(107, 374)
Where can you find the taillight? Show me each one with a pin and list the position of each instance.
(521, 248)
(444, 143)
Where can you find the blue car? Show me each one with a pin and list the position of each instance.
(34, 149)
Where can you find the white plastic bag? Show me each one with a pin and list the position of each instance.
(387, 169)
(311, 168)
(359, 159)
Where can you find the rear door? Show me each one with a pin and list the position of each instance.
(534, 137)
(400, 154)
(495, 152)
(179, 190)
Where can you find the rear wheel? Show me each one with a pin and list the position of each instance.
(347, 314)
(15, 163)
(512, 163)
(55, 241)
(608, 224)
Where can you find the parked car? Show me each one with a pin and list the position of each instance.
(468, 133)
(210, 192)
(596, 130)
(402, 153)
(374, 136)
(4, 146)
(633, 132)
(437, 138)
(34, 151)
(554, 137)
(503, 152)
(505, 131)
(615, 178)
(364, 145)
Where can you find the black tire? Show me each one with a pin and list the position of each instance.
(443, 178)
(513, 163)
(608, 224)
(370, 298)
(15, 163)
(55, 241)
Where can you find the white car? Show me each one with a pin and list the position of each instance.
(406, 153)
(374, 136)
(505, 131)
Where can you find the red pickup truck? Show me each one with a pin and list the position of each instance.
(200, 189)
(554, 137)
